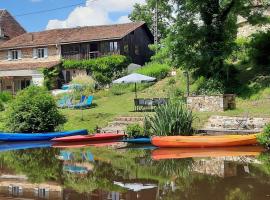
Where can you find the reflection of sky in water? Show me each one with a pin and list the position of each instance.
(135, 173)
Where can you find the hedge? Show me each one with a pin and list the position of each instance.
(104, 69)
(157, 70)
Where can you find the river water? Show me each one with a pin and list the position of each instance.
(117, 172)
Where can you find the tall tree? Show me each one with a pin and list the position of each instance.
(205, 30)
(145, 12)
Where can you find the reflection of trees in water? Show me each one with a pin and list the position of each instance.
(175, 177)
(39, 165)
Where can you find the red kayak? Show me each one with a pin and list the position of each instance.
(86, 144)
(94, 137)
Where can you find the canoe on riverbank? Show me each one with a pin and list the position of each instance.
(204, 141)
(17, 137)
(137, 140)
(94, 137)
(177, 153)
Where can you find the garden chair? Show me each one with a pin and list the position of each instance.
(61, 103)
(65, 103)
(242, 123)
(81, 102)
(87, 103)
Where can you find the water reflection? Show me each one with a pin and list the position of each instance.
(135, 173)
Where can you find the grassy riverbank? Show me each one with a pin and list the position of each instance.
(108, 106)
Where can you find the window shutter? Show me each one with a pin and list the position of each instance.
(19, 54)
(34, 53)
(45, 52)
(9, 55)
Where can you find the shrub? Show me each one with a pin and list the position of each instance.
(104, 69)
(87, 84)
(171, 81)
(172, 118)
(210, 87)
(5, 96)
(2, 107)
(119, 89)
(134, 130)
(264, 138)
(33, 110)
(159, 71)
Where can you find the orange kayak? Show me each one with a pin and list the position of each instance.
(174, 153)
(204, 141)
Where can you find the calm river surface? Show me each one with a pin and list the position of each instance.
(112, 171)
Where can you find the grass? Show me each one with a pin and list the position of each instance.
(108, 106)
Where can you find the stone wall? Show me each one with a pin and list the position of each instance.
(216, 122)
(217, 103)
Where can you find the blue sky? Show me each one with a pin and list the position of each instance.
(91, 12)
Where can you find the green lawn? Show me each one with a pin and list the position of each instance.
(108, 106)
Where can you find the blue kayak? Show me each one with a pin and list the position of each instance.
(12, 146)
(137, 140)
(17, 137)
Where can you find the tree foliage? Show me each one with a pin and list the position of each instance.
(145, 12)
(33, 110)
(103, 69)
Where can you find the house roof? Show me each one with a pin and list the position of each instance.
(72, 35)
(10, 27)
(27, 65)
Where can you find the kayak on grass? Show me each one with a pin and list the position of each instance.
(204, 141)
(137, 140)
(16, 137)
(94, 137)
(177, 153)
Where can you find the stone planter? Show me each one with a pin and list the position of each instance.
(215, 103)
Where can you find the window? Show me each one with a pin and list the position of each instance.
(25, 83)
(14, 55)
(137, 50)
(113, 46)
(40, 53)
(126, 48)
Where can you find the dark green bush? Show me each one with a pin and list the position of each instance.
(104, 69)
(264, 138)
(210, 87)
(173, 118)
(33, 110)
(5, 96)
(134, 130)
(157, 70)
(2, 107)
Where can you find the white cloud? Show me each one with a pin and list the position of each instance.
(95, 12)
(123, 19)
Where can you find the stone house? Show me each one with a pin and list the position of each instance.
(23, 55)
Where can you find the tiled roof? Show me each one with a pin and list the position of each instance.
(9, 25)
(72, 35)
(27, 65)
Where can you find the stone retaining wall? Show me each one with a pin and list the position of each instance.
(217, 103)
(236, 123)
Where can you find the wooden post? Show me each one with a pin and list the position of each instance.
(13, 86)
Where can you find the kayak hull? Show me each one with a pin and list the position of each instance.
(204, 141)
(178, 153)
(138, 140)
(17, 137)
(94, 137)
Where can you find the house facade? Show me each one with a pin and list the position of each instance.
(23, 57)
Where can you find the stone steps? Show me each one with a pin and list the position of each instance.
(120, 124)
